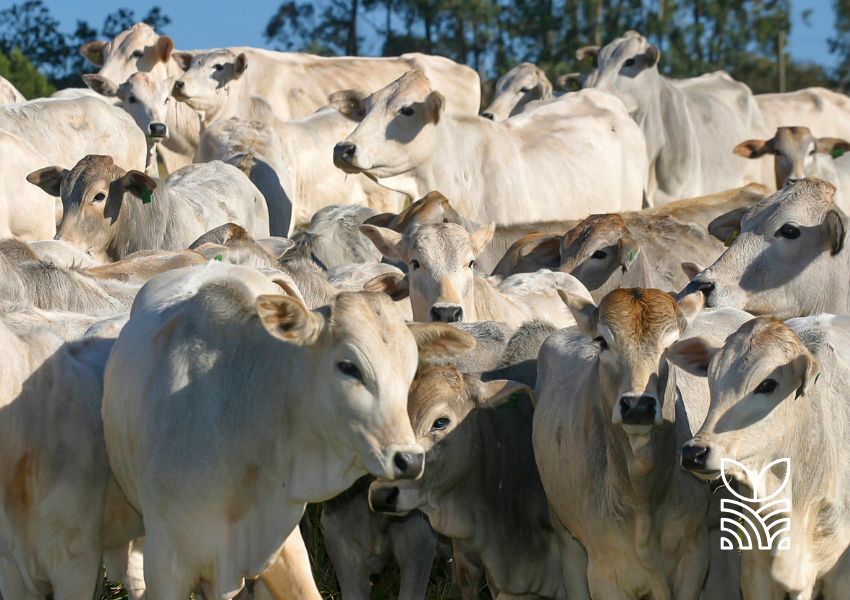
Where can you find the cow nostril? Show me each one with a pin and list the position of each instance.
(489, 115)
(349, 151)
(447, 314)
(408, 464)
(400, 462)
(624, 406)
(694, 456)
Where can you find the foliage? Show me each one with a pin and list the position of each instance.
(23, 75)
(840, 43)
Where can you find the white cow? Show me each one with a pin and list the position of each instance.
(25, 212)
(823, 111)
(690, 126)
(788, 259)
(321, 401)
(110, 213)
(565, 159)
(9, 94)
(220, 83)
(292, 162)
(776, 411)
(524, 83)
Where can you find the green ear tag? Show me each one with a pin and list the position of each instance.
(146, 196)
(731, 238)
(632, 255)
(836, 152)
(219, 257)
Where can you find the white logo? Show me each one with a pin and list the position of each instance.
(746, 528)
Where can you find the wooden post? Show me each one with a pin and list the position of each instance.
(780, 60)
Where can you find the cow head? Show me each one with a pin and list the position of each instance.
(143, 96)
(207, 82)
(633, 328)
(93, 194)
(440, 259)
(397, 131)
(600, 251)
(360, 361)
(797, 153)
(137, 49)
(784, 260)
(622, 68)
(754, 379)
(440, 401)
(524, 83)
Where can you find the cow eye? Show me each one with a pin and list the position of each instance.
(407, 111)
(167, 99)
(414, 263)
(471, 264)
(603, 345)
(766, 387)
(132, 100)
(218, 67)
(349, 369)
(789, 232)
(599, 255)
(137, 54)
(630, 62)
(440, 424)
(525, 90)
(99, 197)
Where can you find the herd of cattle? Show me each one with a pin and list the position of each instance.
(527, 338)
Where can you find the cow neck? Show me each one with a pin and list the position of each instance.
(140, 226)
(235, 98)
(651, 119)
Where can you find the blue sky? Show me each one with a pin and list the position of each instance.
(205, 24)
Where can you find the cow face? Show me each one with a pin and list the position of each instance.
(439, 404)
(361, 359)
(622, 68)
(92, 194)
(754, 379)
(784, 257)
(144, 97)
(797, 153)
(398, 128)
(523, 84)
(440, 260)
(633, 328)
(138, 49)
(598, 251)
(206, 84)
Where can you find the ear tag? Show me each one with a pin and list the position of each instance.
(146, 196)
(836, 152)
(219, 257)
(632, 255)
(731, 238)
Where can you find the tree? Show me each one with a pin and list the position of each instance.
(23, 75)
(301, 25)
(30, 28)
(839, 44)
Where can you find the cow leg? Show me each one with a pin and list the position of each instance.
(125, 564)
(78, 577)
(290, 575)
(11, 583)
(756, 582)
(468, 574)
(414, 545)
(573, 562)
(166, 577)
(603, 584)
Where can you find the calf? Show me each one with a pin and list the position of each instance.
(480, 487)
(775, 414)
(797, 154)
(110, 212)
(322, 399)
(443, 286)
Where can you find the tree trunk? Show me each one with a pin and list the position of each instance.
(351, 42)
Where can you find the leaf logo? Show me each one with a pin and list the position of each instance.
(746, 528)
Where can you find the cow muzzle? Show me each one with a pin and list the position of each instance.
(695, 458)
(637, 410)
(158, 131)
(446, 313)
(384, 499)
(344, 157)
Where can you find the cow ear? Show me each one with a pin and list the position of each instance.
(498, 391)
(240, 65)
(163, 48)
(629, 251)
(693, 355)
(587, 52)
(350, 103)
(808, 370)
(546, 249)
(544, 86)
(753, 148)
(435, 104)
(584, 312)
(569, 82)
(183, 59)
(138, 184)
(690, 306)
(93, 52)
(835, 147)
(100, 84)
(835, 227)
(727, 226)
(381, 219)
(481, 237)
(440, 341)
(691, 269)
(48, 179)
(387, 241)
(652, 56)
(287, 319)
(395, 285)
